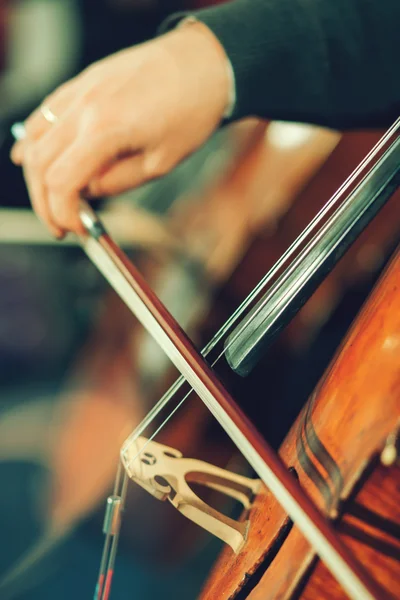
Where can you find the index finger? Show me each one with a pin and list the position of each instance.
(72, 172)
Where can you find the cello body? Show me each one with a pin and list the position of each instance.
(343, 449)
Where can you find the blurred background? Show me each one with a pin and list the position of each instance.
(76, 371)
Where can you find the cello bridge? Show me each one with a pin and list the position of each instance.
(167, 475)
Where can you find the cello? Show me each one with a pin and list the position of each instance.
(315, 481)
(340, 478)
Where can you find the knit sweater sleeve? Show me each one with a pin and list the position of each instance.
(331, 62)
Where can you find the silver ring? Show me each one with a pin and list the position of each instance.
(48, 114)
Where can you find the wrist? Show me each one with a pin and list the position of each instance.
(209, 63)
(231, 90)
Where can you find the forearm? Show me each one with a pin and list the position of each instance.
(334, 63)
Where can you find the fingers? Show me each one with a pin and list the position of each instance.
(59, 103)
(62, 161)
(113, 108)
(37, 159)
(37, 125)
(17, 153)
(71, 172)
(96, 143)
(37, 192)
(123, 175)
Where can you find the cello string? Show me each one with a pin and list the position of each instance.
(103, 587)
(146, 422)
(114, 545)
(161, 426)
(107, 542)
(284, 276)
(309, 230)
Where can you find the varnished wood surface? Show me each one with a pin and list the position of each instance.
(372, 530)
(263, 522)
(345, 424)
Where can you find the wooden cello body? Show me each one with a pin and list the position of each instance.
(109, 363)
(268, 516)
(343, 448)
(331, 448)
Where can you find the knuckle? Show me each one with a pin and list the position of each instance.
(33, 159)
(88, 97)
(33, 125)
(155, 166)
(53, 181)
(96, 188)
(34, 163)
(92, 115)
(29, 126)
(38, 157)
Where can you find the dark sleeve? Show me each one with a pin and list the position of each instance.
(331, 62)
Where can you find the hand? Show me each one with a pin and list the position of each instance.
(125, 120)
